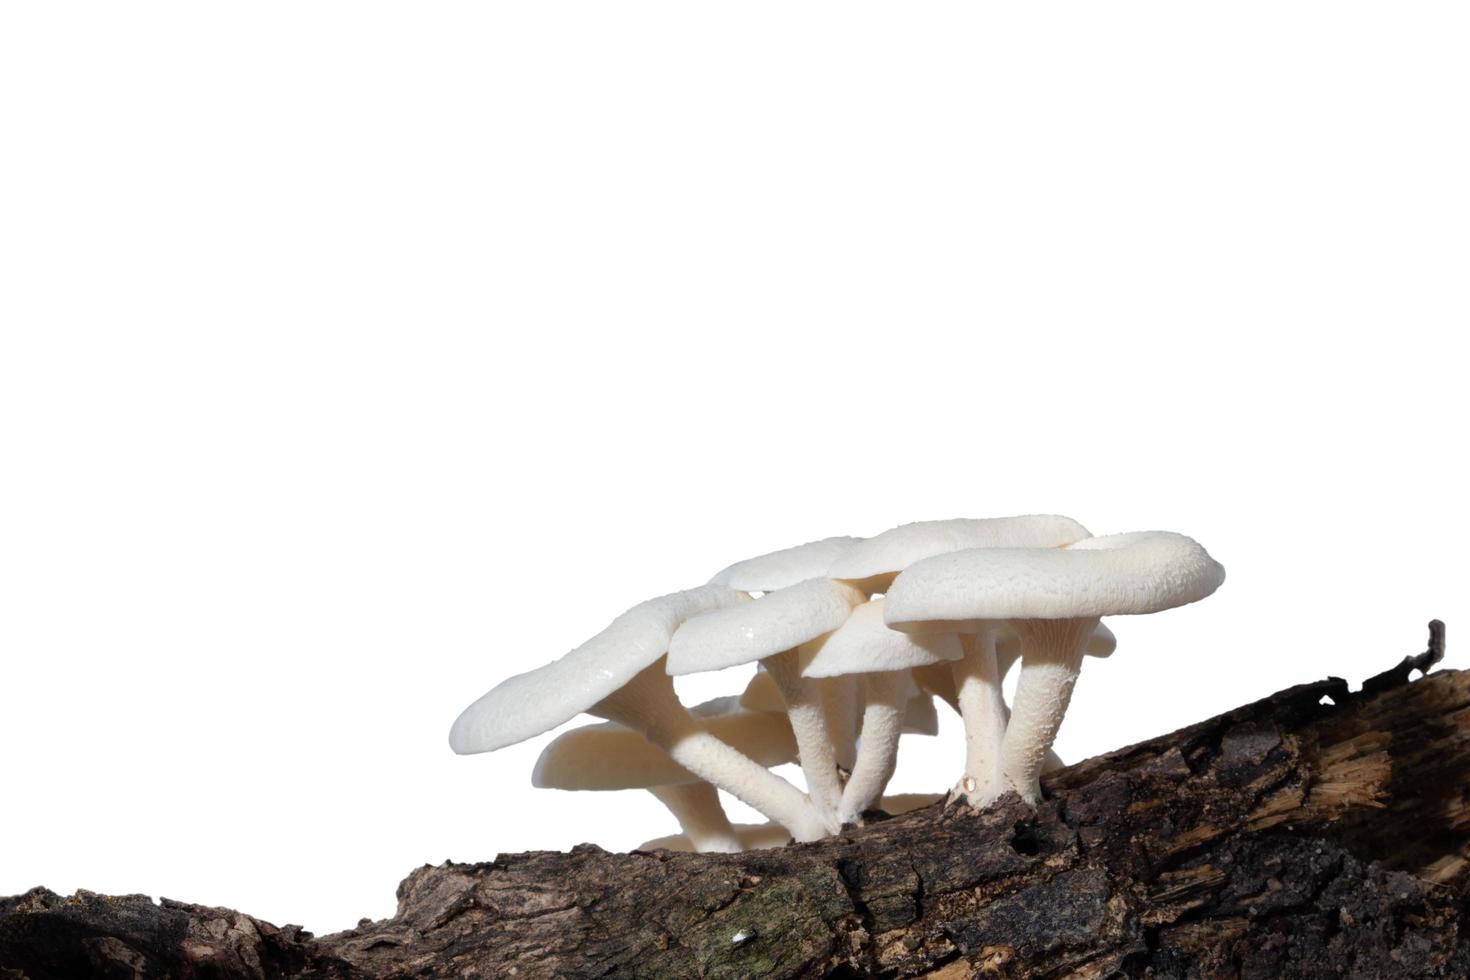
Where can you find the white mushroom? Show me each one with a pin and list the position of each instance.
(990, 650)
(779, 569)
(1053, 598)
(701, 817)
(619, 675)
(609, 756)
(940, 681)
(871, 564)
(881, 657)
(769, 630)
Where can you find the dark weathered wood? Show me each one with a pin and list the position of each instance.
(1317, 833)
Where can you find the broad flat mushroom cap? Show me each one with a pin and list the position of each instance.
(539, 700)
(779, 569)
(778, 621)
(1117, 574)
(608, 756)
(865, 644)
(899, 547)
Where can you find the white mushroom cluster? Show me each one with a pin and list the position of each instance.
(851, 638)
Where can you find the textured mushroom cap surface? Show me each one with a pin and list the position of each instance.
(539, 700)
(865, 644)
(779, 569)
(608, 756)
(776, 622)
(899, 547)
(1117, 574)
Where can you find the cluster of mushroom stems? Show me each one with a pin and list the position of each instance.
(852, 639)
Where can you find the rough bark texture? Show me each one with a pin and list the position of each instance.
(1316, 833)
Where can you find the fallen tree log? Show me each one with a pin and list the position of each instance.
(1316, 833)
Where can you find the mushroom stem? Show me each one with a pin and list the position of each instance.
(697, 808)
(885, 696)
(977, 679)
(840, 705)
(809, 724)
(937, 679)
(648, 705)
(1051, 658)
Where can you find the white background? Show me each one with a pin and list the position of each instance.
(357, 356)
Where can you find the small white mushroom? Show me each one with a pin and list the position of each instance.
(779, 569)
(697, 808)
(871, 564)
(619, 675)
(608, 756)
(1053, 599)
(768, 631)
(881, 658)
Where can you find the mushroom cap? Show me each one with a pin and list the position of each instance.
(752, 837)
(1117, 574)
(539, 700)
(777, 570)
(865, 644)
(608, 756)
(778, 621)
(899, 547)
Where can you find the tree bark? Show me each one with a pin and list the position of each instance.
(1317, 833)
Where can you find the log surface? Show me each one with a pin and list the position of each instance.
(1316, 833)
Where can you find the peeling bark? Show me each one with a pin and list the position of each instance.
(1317, 833)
